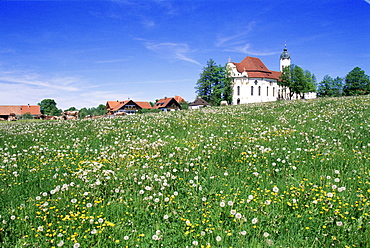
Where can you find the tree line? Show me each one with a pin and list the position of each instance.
(49, 107)
(355, 83)
(215, 83)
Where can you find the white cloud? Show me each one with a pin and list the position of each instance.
(236, 42)
(368, 1)
(235, 38)
(21, 94)
(57, 83)
(110, 61)
(246, 49)
(177, 51)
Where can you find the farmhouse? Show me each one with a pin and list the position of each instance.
(9, 112)
(179, 99)
(253, 82)
(125, 107)
(167, 104)
(199, 103)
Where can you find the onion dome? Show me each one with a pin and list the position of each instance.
(285, 54)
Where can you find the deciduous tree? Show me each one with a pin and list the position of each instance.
(49, 107)
(297, 80)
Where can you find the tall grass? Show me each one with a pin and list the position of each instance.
(289, 173)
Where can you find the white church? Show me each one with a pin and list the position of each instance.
(253, 82)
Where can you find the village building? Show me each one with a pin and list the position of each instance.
(167, 104)
(128, 107)
(10, 112)
(253, 82)
(144, 105)
(199, 103)
(179, 99)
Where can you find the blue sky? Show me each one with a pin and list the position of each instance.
(84, 53)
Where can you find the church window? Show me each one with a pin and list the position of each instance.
(267, 91)
(255, 82)
(238, 90)
(273, 91)
(259, 90)
(251, 90)
(238, 101)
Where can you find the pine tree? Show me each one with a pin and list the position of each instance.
(214, 85)
(356, 83)
(330, 86)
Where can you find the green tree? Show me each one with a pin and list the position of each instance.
(26, 116)
(83, 113)
(49, 107)
(356, 83)
(214, 84)
(71, 109)
(330, 86)
(100, 110)
(311, 82)
(184, 105)
(297, 80)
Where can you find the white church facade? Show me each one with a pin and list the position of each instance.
(253, 82)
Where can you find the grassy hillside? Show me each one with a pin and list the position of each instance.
(289, 173)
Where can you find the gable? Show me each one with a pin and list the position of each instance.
(124, 104)
(199, 101)
(166, 103)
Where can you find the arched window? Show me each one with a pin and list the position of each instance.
(238, 90)
(251, 90)
(273, 91)
(267, 91)
(238, 101)
(259, 90)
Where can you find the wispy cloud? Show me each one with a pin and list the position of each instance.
(33, 79)
(235, 42)
(246, 49)
(368, 1)
(156, 82)
(177, 51)
(235, 38)
(111, 61)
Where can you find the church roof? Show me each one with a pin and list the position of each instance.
(256, 68)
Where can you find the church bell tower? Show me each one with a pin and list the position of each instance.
(284, 59)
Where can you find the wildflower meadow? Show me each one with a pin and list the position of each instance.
(278, 174)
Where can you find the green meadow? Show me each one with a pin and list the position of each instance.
(278, 174)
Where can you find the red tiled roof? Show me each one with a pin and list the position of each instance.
(144, 105)
(256, 68)
(162, 103)
(179, 99)
(111, 104)
(120, 105)
(20, 110)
